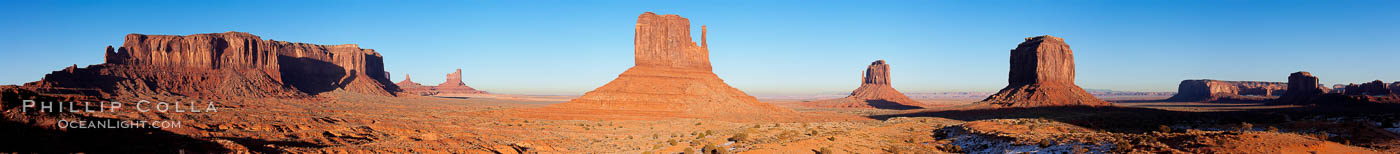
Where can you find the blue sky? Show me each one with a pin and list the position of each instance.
(761, 47)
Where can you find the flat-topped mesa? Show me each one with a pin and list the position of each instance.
(454, 85)
(664, 41)
(875, 92)
(1042, 74)
(226, 64)
(1205, 90)
(672, 78)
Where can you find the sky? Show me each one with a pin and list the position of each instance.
(760, 47)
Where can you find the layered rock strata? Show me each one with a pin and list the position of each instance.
(215, 65)
(1205, 90)
(671, 77)
(875, 92)
(1042, 74)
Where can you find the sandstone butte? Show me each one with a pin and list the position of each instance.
(1302, 87)
(874, 92)
(1205, 90)
(1042, 74)
(410, 87)
(452, 86)
(220, 65)
(671, 78)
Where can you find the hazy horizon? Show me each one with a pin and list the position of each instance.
(762, 48)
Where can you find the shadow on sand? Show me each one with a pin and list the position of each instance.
(1139, 120)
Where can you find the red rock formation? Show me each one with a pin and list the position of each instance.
(1302, 87)
(1042, 74)
(454, 85)
(1205, 90)
(1395, 87)
(223, 65)
(672, 77)
(408, 86)
(874, 92)
(1376, 87)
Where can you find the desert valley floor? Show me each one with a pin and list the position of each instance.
(346, 122)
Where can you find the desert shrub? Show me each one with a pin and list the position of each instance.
(1079, 150)
(688, 150)
(673, 142)
(833, 138)
(812, 133)
(825, 150)
(1122, 146)
(709, 132)
(701, 136)
(648, 152)
(712, 149)
(1245, 126)
(741, 137)
(950, 148)
(1045, 143)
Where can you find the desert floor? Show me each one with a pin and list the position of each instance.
(344, 122)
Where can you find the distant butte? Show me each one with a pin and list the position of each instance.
(1042, 74)
(1205, 90)
(672, 78)
(875, 92)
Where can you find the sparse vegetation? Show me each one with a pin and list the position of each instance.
(825, 150)
(741, 137)
(1246, 126)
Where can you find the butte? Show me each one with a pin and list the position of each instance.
(874, 92)
(1042, 74)
(671, 78)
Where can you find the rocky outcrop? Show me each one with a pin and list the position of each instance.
(454, 85)
(1042, 74)
(671, 77)
(410, 87)
(1205, 90)
(216, 65)
(1351, 94)
(1376, 87)
(874, 92)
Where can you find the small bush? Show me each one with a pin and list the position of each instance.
(951, 148)
(833, 138)
(1079, 150)
(741, 137)
(825, 150)
(688, 150)
(1245, 126)
(673, 142)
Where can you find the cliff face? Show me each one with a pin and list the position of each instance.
(1215, 90)
(223, 65)
(672, 78)
(1042, 74)
(1302, 87)
(875, 92)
